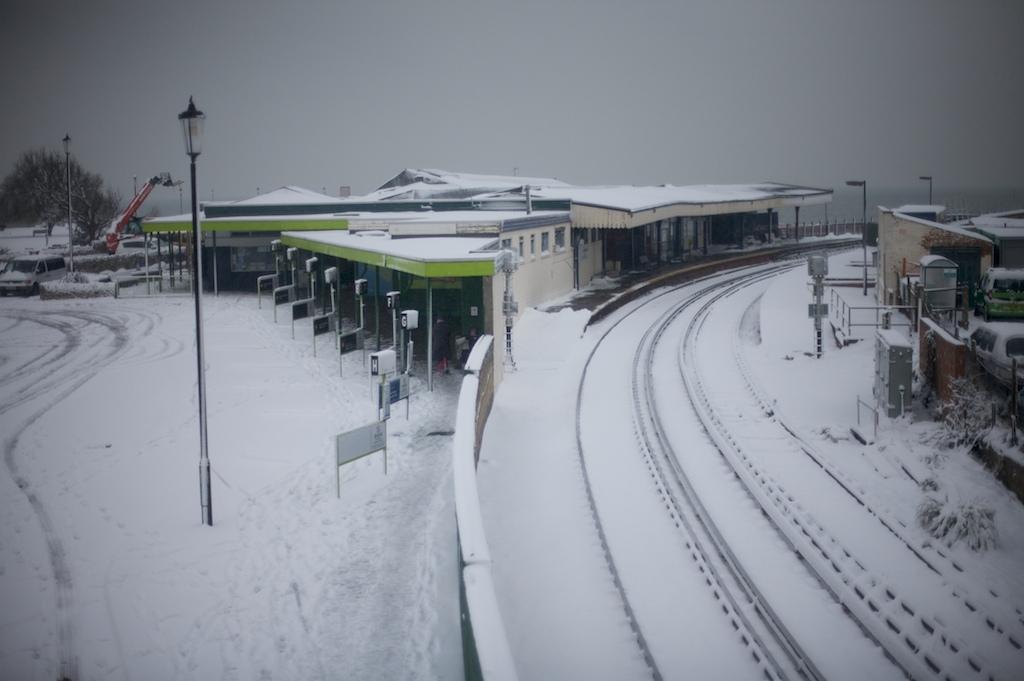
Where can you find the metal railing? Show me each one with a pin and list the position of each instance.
(842, 315)
(821, 228)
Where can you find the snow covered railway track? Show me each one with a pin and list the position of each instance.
(981, 603)
(761, 629)
(922, 644)
(722, 598)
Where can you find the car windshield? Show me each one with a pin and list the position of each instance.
(1008, 285)
(26, 266)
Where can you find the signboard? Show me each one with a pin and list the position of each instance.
(363, 441)
(283, 294)
(300, 309)
(397, 388)
(822, 310)
(321, 324)
(350, 341)
(355, 444)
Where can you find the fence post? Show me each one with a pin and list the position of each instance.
(1013, 401)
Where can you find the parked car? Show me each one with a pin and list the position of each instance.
(24, 274)
(996, 345)
(1001, 293)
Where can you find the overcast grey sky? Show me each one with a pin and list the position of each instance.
(329, 93)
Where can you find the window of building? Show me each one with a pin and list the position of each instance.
(533, 245)
(559, 239)
(545, 244)
(521, 251)
(506, 244)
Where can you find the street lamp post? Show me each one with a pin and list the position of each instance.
(71, 231)
(929, 178)
(863, 184)
(192, 127)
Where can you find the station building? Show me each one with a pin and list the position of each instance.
(436, 236)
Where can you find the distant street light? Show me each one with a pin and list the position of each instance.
(863, 184)
(929, 178)
(71, 231)
(192, 127)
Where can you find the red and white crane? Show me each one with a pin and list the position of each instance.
(116, 232)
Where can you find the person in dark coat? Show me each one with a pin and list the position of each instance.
(441, 337)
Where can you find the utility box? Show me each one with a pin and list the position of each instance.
(817, 266)
(360, 286)
(938, 278)
(382, 362)
(410, 319)
(893, 361)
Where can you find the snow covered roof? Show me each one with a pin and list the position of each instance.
(634, 198)
(425, 183)
(995, 221)
(433, 256)
(954, 229)
(921, 208)
(936, 261)
(414, 190)
(286, 196)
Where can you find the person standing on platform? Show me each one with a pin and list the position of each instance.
(441, 334)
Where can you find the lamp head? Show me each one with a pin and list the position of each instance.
(192, 129)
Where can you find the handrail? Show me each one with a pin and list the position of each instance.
(485, 649)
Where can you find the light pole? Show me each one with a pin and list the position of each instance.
(929, 178)
(863, 184)
(192, 127)
(71, 231)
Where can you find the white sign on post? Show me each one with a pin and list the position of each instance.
(363, 441)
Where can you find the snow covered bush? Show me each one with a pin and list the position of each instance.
(966, 416)
(969, 522)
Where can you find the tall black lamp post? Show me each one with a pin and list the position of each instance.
(71, 230)
(863, 184)
(929, 178)
(192, 127)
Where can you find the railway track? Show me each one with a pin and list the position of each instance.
(921, 643)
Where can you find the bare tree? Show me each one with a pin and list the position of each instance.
(36, 191)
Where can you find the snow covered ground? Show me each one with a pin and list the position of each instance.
(564, 615)
(105, 569)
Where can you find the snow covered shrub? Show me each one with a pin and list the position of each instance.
(970, 522)
(75, 277)
(929, 485)
(966, 416)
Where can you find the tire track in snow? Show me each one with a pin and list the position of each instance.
(63, 380)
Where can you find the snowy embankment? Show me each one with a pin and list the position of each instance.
(487, 628)
(105, 570)
(561, 608)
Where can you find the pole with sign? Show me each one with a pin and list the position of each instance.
(410, 322)
(393, 298)
(817, 267)
(355, 444)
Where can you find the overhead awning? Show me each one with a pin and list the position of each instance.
(276, 223)
(420, 256)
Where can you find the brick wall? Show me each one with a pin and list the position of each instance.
(940, 358)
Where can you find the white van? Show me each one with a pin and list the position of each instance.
(996, 345)
(24, 274)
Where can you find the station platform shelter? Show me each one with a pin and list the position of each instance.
(436, 236)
